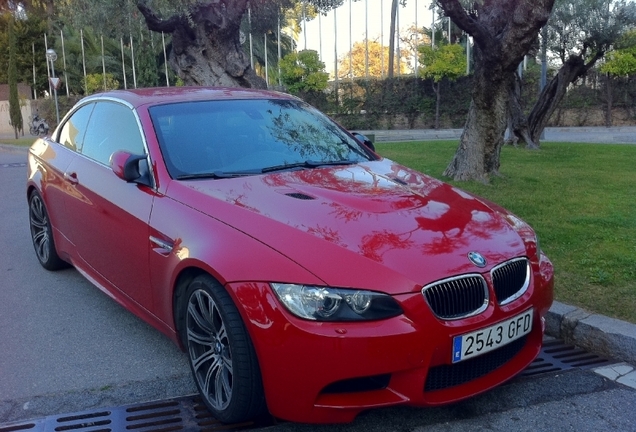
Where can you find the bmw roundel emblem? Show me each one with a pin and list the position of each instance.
(477, 259)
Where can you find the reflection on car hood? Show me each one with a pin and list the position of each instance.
(365, 224)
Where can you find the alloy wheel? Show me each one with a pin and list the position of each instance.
(209, 348)
(40, 232)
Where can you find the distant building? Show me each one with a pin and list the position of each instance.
(24, 93)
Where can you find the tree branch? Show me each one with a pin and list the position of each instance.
(464, 21)
(154, 22)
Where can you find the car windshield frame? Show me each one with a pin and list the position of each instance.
(228, 138)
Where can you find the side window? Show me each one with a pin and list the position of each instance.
(111, 128)
(74, 130)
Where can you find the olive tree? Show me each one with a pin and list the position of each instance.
(206, 41)
(578, 34)
(503, 32)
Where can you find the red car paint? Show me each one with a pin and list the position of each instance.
(375, 225)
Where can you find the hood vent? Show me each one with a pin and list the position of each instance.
(300, 196)
(400, 181)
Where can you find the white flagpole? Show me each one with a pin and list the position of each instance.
(266, 65)
(399, 57)
(350, 42)
(64, 63)
(103, 64)
(123, 63)
(249, 20)
(366, 39)
(467, 54)
(280, 83)
(417, 36)
(335, 45)
(35, 90)
(48, 68)
(165, 59)
(84, 62)
(433, 30)
(305, 22)
(132, 55)
(382, 38)
(320, 33)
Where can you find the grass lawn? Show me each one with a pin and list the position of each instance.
(25, 141)
(580, 199)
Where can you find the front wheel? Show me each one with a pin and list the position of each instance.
(222, 357)
(33, 130)
(42, 234)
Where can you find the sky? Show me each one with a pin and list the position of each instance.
(379, 20)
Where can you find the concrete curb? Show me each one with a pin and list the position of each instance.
(611, 135)
(602, 335)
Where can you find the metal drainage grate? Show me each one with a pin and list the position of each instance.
(556, 356)
(190, 414)
(180, 414)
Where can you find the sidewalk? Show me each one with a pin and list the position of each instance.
(615, 135)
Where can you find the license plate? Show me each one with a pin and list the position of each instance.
(490, 338)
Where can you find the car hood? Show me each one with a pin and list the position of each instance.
(375, 225)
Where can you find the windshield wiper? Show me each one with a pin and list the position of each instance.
(307, 164)
(216, 175)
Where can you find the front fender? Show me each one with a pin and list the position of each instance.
(200, 243)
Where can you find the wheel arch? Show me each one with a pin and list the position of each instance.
(183, 279)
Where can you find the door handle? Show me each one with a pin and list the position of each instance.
(71, 177)
(162, 247)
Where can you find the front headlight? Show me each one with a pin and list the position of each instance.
(335, 304)
(527, 234)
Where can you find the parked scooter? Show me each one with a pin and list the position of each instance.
(38, 126)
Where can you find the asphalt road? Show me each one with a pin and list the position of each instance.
(67, 347)
(64, 345)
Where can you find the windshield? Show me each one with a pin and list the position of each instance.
(225, 138)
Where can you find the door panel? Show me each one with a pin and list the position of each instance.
(111, 227)
(110, 217)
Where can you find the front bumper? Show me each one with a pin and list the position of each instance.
(325, 372)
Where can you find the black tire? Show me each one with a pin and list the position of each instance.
(33, 130)
(42, 130)
(42, 234)
(222, 357)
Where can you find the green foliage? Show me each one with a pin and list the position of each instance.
(15, 113)
(95, 83)
(46, 108)
(622, 61)
(28, 38)
(303, 71)
(445, 61)
(587, 27)
(379, 104)
(147, 65)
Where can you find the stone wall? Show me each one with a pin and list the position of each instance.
(5, 127)
(24, 93)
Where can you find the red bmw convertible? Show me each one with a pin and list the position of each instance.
(301, 272)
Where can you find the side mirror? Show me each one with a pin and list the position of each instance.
(363, 140)
(131, 168)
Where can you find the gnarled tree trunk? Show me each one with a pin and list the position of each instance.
(206, 48)
(517, 122)
(477, 156)
(503, 32)
(553, 93)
